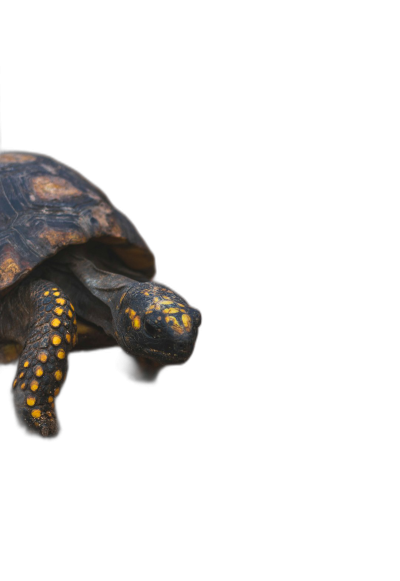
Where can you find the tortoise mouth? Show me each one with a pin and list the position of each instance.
(176, 354)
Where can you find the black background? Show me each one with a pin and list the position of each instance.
(150, 139)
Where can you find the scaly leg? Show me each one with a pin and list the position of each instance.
(47, 333)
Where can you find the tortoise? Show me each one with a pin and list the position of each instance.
(75, 274)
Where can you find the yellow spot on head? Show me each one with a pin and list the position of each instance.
(58, 311)
(42, 357)
(61, 354)
(165, 297)
(180, 305)
(56, 391)
(36, 413)
(57, 294)
(168, 302)
(46, 294)
(55, 288)
(56, 339)
(187, 321)
(175, 325)
(55, 323)
(51, 399)
(136, 323)
(155, 300)
(58, 375)
(68, 338)
(39, 371)
(158, 308)
(34, 386)
(31, 401)
(61, 301)
(171, 311)
(146, 294)
(131, 313)
(26, 364)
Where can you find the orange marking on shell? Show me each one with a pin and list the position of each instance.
(6, 158)
(52, 187)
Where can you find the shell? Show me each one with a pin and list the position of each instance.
(46, 206)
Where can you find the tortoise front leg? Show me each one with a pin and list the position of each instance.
(49, 336)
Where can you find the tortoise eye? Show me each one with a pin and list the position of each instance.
(152, 329)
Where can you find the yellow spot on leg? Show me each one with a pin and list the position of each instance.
(34, 385)
(56, 391)
(68, 338)
(38, 371)
(15, 382)
(42, 357)
(58, 311)
(61, 354)
(55, 323)
(70, 315)
(21, 375)
(56, 340)
(46, 294)
(26, 364)
(36, 413)
(23, 386)
(51, 399)
(58, 375)
(31, 401)
(57, 294)
(61, 301)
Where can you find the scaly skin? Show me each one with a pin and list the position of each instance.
(48, 334)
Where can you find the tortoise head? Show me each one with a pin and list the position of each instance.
(156, 323)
